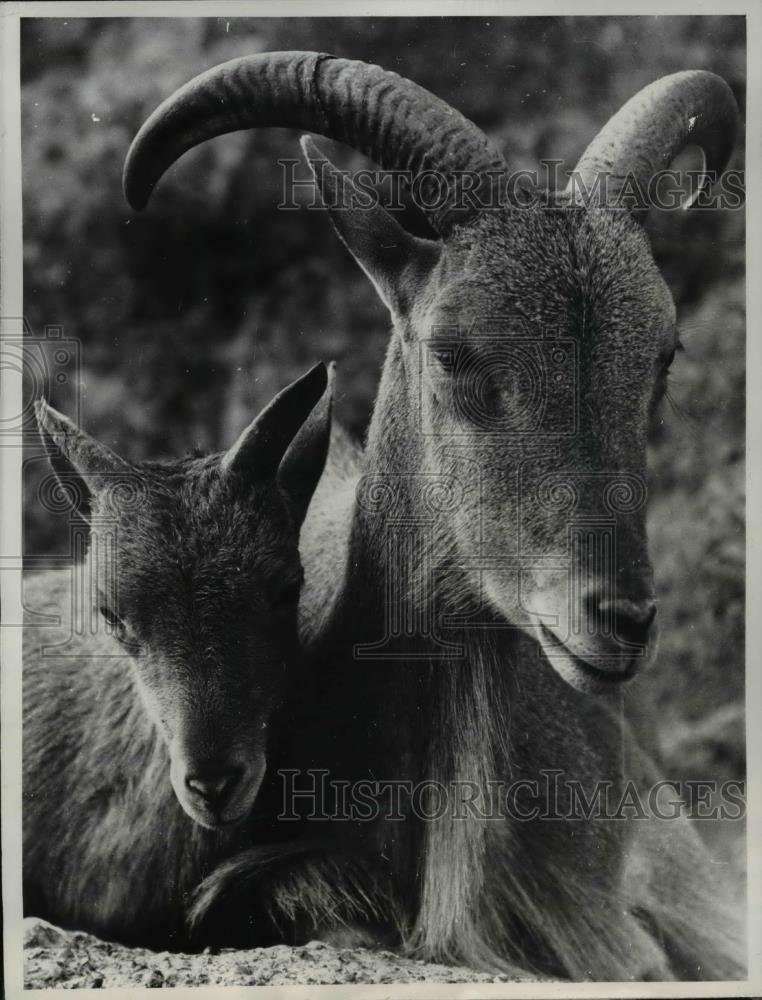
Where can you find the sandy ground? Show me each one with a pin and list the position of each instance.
(53, 957)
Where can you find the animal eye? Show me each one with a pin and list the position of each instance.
(444, 355)
(671, 356)
(457, 359)
(114, 622)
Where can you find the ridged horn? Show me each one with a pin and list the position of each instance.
(694, 107)
(393, 121)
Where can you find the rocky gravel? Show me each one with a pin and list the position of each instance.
(75, 960)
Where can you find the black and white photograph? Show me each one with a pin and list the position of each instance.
(374, 451)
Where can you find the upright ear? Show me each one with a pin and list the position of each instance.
(82, 465)
(395, 261)
(304, 461)
(288, 441)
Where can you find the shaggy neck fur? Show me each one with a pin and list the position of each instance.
(557, 897)
(579, 899)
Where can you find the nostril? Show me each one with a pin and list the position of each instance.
(632, 620)
(213, 788)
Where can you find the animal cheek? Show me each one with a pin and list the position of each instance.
(160, 698)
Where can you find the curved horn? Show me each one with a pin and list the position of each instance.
(689, 108)
(393, 121)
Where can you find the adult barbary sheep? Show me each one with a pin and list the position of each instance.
(150, 701)
(477, 595)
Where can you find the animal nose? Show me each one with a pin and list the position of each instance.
(629, 621)
(215, 788)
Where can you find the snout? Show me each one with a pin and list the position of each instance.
(217, 792)
(601, 641)
(213, 788)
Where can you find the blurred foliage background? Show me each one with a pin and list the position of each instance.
(190, 315)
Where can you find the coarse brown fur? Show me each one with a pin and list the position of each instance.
(194, 564)
(578, 898)
(478, 585)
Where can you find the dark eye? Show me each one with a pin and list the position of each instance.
(444, 355)
(671, 356)
(455, 359)
(116, 624)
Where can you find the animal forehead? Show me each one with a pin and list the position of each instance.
(206, 584)
(542, 272)
(187, 517)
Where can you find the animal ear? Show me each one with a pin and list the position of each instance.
(395, 261)
(83, 465)
(258, 453)
(304, 461)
